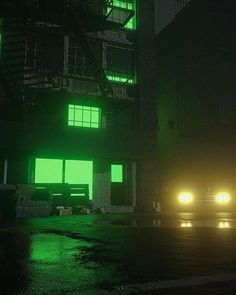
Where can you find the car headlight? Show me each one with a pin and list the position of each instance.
(186, 224)
(223, 224)
(223, 198)
(185, 198)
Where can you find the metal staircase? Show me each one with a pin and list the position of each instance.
(18, 79)
(119, 16)
(96, 69)
(71, 17)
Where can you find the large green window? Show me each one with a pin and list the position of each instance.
(64, 171)
(127, 4)
(48, 170)
(84, 116)
(79, 172)
(117, 173)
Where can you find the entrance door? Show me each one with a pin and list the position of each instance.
(79, 172)
(118, 186)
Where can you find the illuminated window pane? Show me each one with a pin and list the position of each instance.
(48, 170)
(116, 173)
(71, 123)
(120, 78)
(79, 172)
(71, 114)
(94, 116)
(78, 115)
(94, 125)
(84, 116)
(86, 124)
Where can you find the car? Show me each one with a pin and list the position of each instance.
(199, 200)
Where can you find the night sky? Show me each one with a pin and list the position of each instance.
(165, 12)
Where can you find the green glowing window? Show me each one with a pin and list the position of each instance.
(79, 172)
(48, 170)
(120, 78)
(127, 4)
(84, 116)
(116, 173)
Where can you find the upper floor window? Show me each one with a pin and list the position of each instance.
(84, 116)
(127, 4)
(35, 53)
(120, 64)
(79, 62)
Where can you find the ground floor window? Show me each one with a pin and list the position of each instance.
(117, 173)
(64, 171)
(79, 172)
(48, 170)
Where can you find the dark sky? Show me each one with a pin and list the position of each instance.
(165, 12)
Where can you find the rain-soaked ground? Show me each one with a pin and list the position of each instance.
(119, 254)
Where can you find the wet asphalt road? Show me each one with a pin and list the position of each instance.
(95, 254)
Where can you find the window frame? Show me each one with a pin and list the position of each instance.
(80, 112)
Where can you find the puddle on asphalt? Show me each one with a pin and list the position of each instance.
(181, 220)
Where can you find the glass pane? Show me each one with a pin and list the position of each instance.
(83, 116)
(78, 115)
(94, 117)
(48, 170)
(116, 173)
(79, 172)
(86, 116)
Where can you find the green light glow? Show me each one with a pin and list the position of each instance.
(79, 172)
(120, 78)
(83, 116)
(116, 173)
(47, 248)
(127, 4)
(48, 170)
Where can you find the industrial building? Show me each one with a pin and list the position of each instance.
(77, 98)
(196, 91)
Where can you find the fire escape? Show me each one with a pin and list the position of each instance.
(21, 19)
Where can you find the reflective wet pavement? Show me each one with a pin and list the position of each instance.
(95, 254)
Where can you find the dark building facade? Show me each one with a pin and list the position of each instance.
(197, 98)
(77, 97)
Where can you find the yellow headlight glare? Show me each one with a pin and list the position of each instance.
(185, 198)
(223, 198)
